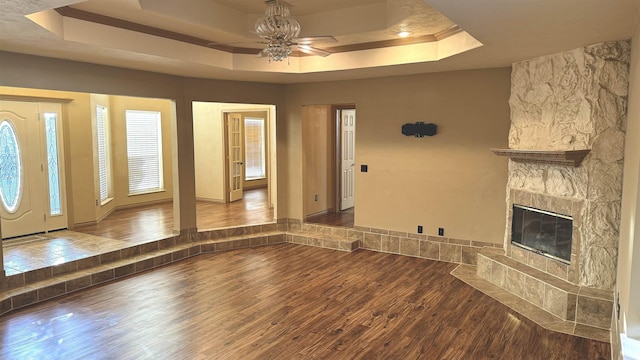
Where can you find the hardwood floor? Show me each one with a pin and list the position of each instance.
(125, 227)
(153, 222)
(343, 219)
(252, 209)
(137, 225)
(286, 302)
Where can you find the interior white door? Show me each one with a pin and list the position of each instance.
(23, 183)
(235, 155)
(347, 174)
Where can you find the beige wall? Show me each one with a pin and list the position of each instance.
(27, 71)
(434, 182)
(117, 109)
(450, 180)
(317, 161)
(628, 271)
(80, 157)
(209, 151)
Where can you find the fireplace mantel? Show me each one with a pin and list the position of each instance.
(559, 157)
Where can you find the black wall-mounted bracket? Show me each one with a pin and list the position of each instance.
(419, 129)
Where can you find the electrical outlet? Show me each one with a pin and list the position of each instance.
(440, 231)
(419, 229)
(316, 198)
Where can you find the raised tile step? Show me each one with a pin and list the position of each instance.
(242, 241)
(128, 262)
(582, 305)
(323, 239)
(230, 238)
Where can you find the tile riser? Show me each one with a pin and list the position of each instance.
(24, 289)
(48, 288)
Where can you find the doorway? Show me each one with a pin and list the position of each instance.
(32, 183)
(347, 126)
(328, 134)
(234, 155)
(246, 153)
(235, 159)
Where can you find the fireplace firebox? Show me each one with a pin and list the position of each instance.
(544, 232)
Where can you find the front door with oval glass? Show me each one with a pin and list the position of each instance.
(31, 180)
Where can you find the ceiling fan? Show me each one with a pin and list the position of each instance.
(280, 33)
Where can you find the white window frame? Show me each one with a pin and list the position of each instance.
(264, 148)
(144, 151)
(103, 151)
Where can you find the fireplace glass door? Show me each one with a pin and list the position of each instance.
(544, 232)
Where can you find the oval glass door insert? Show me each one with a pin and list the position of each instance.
(10, 169)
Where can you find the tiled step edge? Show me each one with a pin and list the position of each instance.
(323, 240)
(468, 274)
(234, 233)
(424, 246)
(62, 284)
(582, 305)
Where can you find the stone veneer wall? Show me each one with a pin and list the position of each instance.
(570, 101)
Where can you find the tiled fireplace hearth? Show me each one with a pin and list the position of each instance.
(548, 283)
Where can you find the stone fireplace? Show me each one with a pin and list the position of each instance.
(573, 102)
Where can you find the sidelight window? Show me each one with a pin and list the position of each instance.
(51, 135)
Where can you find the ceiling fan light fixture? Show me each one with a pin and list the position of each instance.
(277, 51)
(277, 27)
(278, 30)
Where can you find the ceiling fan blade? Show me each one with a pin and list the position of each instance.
(312, 51)
(315, 39)
(235, 44)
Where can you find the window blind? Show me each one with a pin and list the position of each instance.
(254, 148)
(103, 151)
(144, 151)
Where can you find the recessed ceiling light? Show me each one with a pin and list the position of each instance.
(404, 34)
